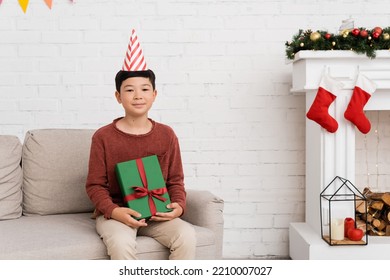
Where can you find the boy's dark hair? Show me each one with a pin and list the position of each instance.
(123, 75)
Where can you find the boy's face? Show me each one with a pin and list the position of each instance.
(136, 96)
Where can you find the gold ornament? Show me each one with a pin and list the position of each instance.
(333, 43)
(314, 36)
(345, 33)
(301, 44)
(386, 36)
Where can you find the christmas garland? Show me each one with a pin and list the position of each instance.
(360, 40)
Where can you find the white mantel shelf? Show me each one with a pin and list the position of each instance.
(338, 54)
(344, 66)
(333, 154)
(308, 245)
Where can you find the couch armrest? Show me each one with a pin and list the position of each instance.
(205, 209)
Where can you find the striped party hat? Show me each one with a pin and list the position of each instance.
(134, 60)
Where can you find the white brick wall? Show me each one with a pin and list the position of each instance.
(223, 86)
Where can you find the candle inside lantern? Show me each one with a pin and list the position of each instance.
(349, 223)
(337, 229)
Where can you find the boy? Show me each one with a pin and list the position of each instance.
(130, 137)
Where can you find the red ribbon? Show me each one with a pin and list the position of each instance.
(144, 191)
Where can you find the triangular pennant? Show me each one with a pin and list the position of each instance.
(49, 3)
(23, 4)
(134, 60)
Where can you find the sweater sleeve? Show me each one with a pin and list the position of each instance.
(175, 178)
(97, 180)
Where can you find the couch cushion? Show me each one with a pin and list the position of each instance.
(51, 237)
(10, 177)
(55, 166)
(74, 237)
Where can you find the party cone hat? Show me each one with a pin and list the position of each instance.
(134, 60)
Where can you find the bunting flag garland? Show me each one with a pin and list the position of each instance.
(24, 3)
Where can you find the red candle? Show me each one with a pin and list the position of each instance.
(349, 223)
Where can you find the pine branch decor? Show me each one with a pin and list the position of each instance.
(360, 40)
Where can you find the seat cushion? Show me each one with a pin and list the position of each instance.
(74, 237)
(11, 177)
(55, 166)
(51, 237)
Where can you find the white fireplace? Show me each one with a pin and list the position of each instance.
(333, 154)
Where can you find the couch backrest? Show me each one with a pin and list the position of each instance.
(55, 166)
(10, 177)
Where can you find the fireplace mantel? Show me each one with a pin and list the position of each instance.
(333, 154)
(308, 67)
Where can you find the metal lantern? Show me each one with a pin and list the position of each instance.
(339, 202)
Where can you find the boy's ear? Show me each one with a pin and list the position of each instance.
(118, 97)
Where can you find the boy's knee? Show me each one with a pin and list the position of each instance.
(187, 236)
(184, 245)
(121, 247)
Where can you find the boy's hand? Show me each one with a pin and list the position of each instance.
(176, 212)
(124, 215)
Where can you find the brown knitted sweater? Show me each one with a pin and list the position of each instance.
(110, 146)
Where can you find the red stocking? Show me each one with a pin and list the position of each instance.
(360, 95)
(326, 94)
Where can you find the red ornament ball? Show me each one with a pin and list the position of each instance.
(355, 32)
(376, 35)
(377, 30)
(363, 33)
(327, 36)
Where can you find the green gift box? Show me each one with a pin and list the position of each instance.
(143, 186)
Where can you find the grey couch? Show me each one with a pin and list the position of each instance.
(46, 214)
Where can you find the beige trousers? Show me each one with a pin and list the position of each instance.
(120, 239)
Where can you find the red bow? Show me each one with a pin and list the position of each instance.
(144, 191)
